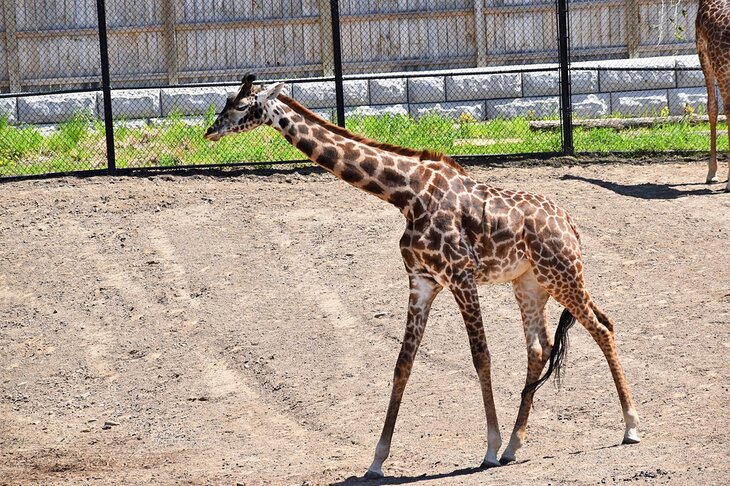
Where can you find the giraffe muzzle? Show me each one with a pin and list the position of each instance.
(212, 134)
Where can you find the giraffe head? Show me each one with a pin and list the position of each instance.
(243, 111)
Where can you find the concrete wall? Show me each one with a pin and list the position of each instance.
(597, 91)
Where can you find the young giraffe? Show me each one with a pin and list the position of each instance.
(713, 47)
(459, 234)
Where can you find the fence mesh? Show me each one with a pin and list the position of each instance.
(475, 106)
(42, 133)
(460, 76)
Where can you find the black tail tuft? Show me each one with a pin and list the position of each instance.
(557, 355)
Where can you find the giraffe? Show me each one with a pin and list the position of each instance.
(459, 234)
(712, 27)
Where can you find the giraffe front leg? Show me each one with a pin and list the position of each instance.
(531, 298)
(467, 297)
(423, 291)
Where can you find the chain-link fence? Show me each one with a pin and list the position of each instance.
(466, 77)
(57, 53)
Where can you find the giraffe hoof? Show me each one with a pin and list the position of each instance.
(631, 437)
(374, 474)
(506, 460)
(712, 180)
(490, 464)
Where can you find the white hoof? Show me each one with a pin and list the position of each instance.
(373, 474)
(631, 437)
(712, 179)
(490, 460)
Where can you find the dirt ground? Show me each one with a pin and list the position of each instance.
(242, 329)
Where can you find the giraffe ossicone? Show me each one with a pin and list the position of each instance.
(459, 234)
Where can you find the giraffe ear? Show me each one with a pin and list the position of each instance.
(271, 92)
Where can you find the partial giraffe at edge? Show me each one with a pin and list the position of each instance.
(459, 234)
(712, 27)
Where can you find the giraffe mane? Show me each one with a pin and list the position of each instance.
(430, 155)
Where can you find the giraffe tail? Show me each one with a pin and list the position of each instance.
(557, 354)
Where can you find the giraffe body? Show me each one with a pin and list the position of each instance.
(459, 234)
(712, 27)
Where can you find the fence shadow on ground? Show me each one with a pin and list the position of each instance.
(303, 168)
(647, 190)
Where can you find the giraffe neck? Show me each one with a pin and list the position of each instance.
(393, 177)
(717, 7)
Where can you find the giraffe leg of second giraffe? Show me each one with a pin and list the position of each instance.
(724, 86)
(712, 113)
(727, 114)
(712, 109)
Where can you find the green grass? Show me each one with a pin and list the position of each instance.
(660, 138)
(79, 144)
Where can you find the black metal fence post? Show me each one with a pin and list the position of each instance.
(106, 86)
(337, 54)
(566, 103)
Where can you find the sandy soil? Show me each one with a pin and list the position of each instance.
(242, 329)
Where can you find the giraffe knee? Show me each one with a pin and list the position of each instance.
(534, 352)
(537, 356)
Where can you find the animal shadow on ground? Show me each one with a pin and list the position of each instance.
(358, 481)
(646, 190)
(363, 481)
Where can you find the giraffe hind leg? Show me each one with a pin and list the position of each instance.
(600, 327)
(557, 354)
(631, 419)
(724, 85)
(531, 298)
(564, 281)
